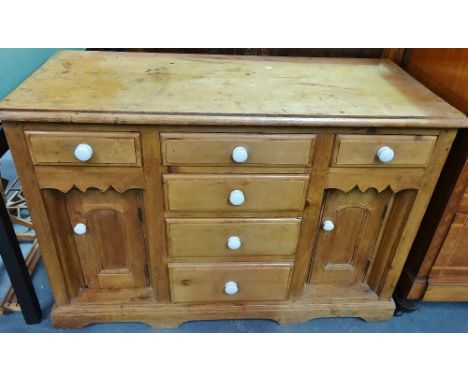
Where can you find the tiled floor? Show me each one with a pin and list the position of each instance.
(431, 317)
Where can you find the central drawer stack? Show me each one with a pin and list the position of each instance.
(234, 205)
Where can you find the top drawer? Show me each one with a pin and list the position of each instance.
(237, 149)
(383, 150)
(50, 147)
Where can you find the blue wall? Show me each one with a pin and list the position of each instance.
(18, 64)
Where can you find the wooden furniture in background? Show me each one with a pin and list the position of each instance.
(227, 187)
(444, 71)
(437, 268)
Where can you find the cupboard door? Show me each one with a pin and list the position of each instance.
(348, 235)
(109, 238)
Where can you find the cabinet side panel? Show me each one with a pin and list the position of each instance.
(439, 155)
(62, 231)
(397, 217)
(436, 222)
(22, 158)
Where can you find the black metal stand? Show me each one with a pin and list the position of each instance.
(16, 266)
(404, 305)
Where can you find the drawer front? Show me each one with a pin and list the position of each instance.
(396, 150)
(256, 149)
(231, 238)
(219, 192)
(229, 282)
(60, 148)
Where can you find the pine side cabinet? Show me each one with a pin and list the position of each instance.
(165, 188)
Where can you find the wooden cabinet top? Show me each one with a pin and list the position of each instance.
(109, 87)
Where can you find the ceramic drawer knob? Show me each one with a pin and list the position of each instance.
(385, 154)
(240, 154)
(80, 229)
(83, 152)
(234, 242)
(231, 288)
(328, 225)
(236, 198)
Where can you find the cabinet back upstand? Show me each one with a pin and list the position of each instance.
(166, 188)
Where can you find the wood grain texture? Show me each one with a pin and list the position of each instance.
(452, 260)
(23, 163)
(446, 291)
(64, 178)
(394, 54)
(211, 192)
(216, 149)
(220, 85)
(440, 152)
(394, 223)
(342, 256)
(185, 117)
(205, 238)
(205, 282)
(153, 213)
(116, 148)
(112, 251)
(172, 315)
(361, 150)
(396, 179)
(64, 240)
(445, 202)
(311, 216)
(184, 120)
(444, 71)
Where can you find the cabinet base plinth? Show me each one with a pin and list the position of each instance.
(76, 316)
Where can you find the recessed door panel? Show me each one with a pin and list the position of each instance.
(110, 241)
(344, 248)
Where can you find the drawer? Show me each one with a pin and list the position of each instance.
(231, 238)
(237, 149)
(104, 148)
(234, 193)
(229, 282)
(383, 150)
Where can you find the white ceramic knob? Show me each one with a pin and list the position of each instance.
(83, 152)
(80, 229)
(231, 288)
(234, 242)
(239, 154)
(236, 198)
(328, 225)
(385, 154)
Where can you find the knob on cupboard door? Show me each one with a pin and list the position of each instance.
(240, 154)
(79, 229)
(83, 152)
(231, 288)
(234, 242)
(385, 154)
(328, 225)
(236, 198)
